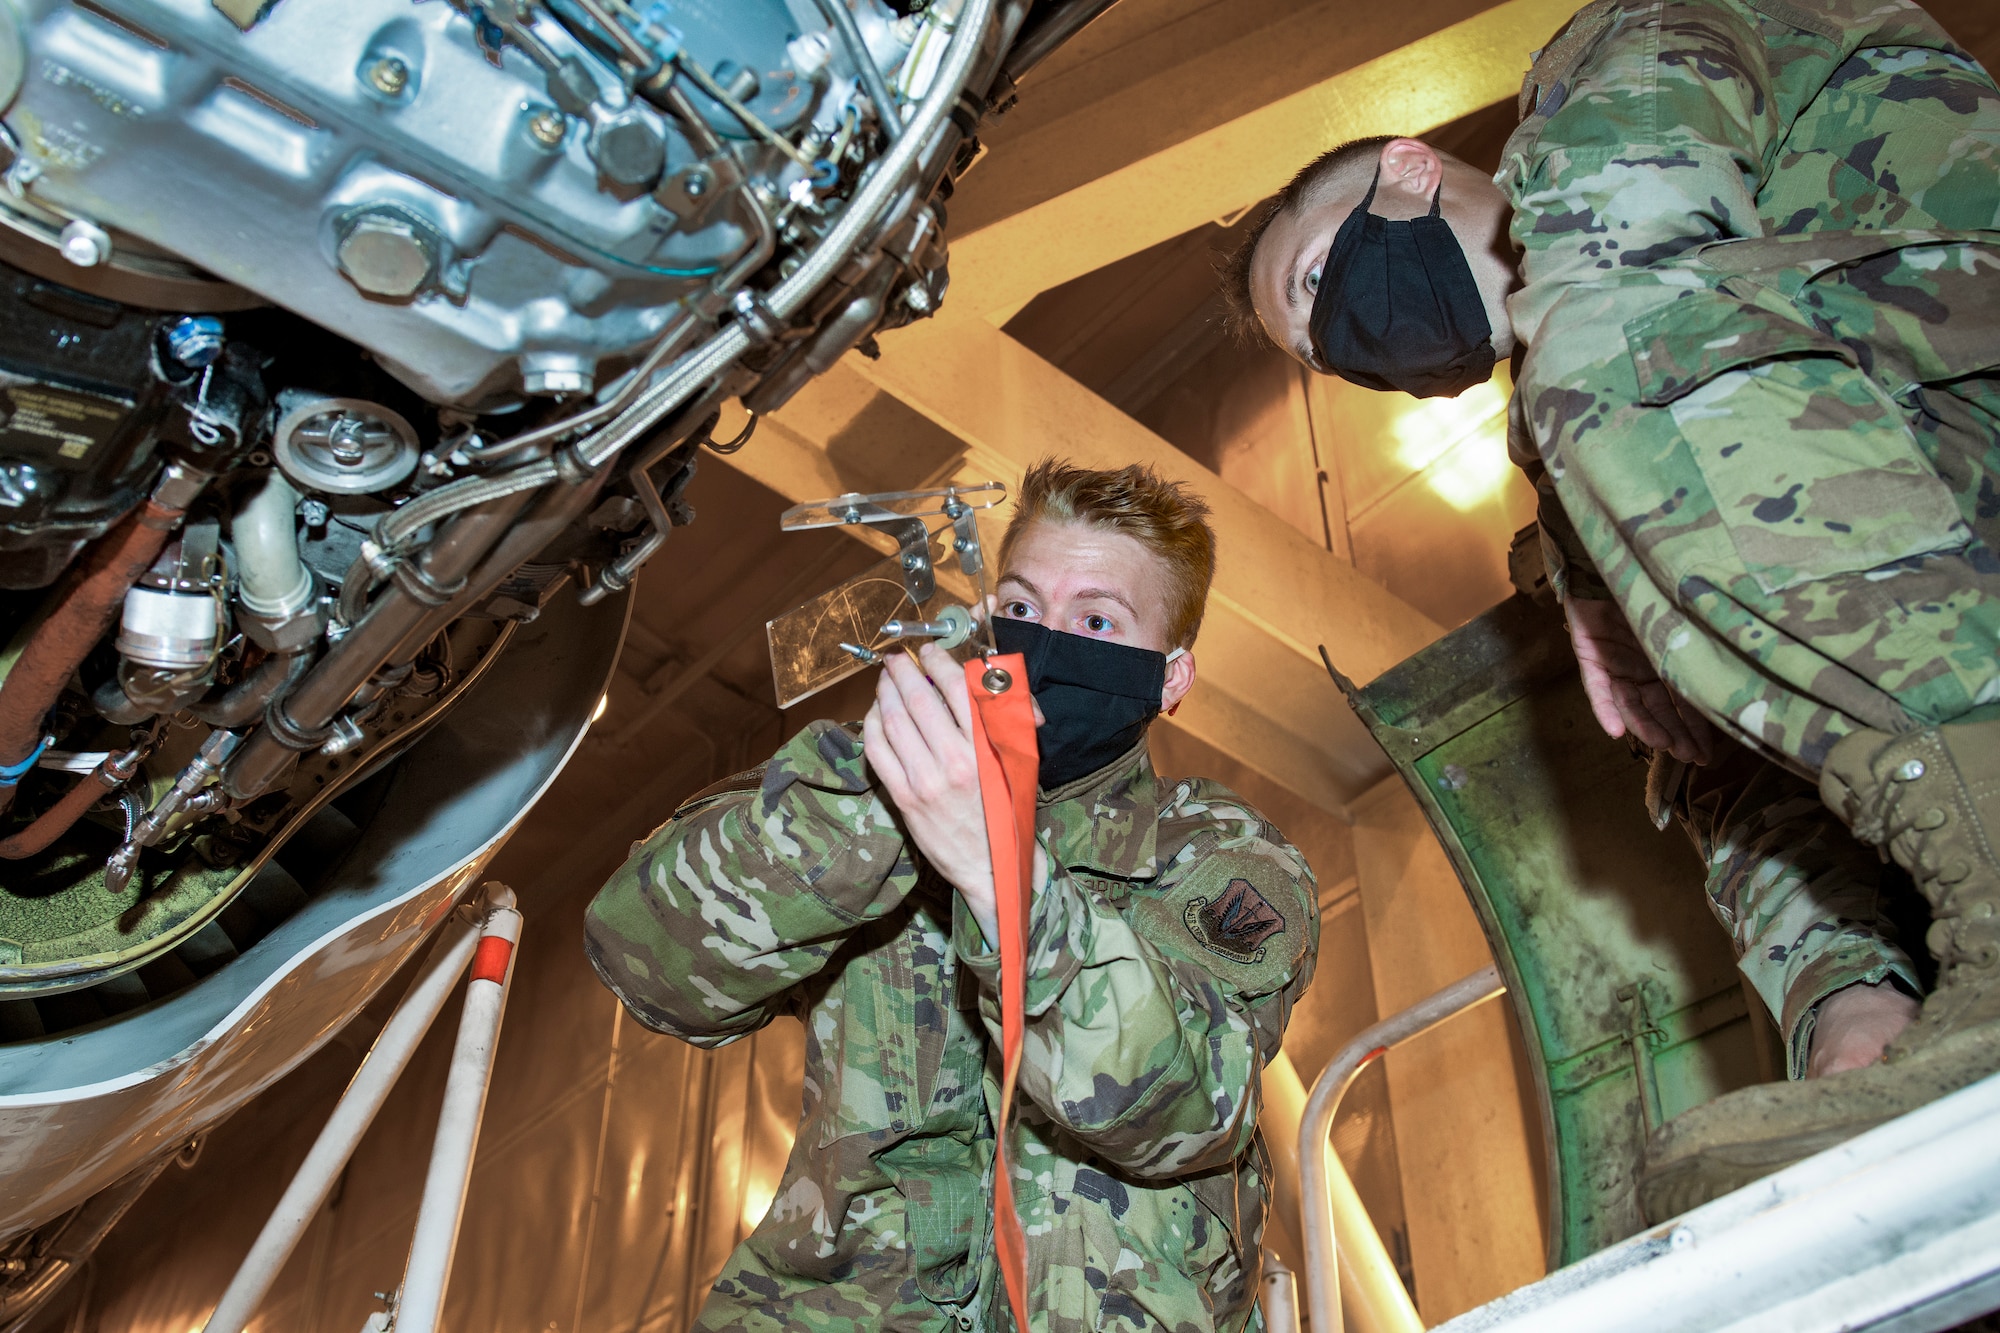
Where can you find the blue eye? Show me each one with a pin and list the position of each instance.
(1312, 281)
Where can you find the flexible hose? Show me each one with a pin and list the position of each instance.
(58, 818)
(887, 109)
(399, 525)
(243, 703)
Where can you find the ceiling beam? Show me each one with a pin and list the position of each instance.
(1410, 90)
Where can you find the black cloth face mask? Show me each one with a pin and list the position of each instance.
(1397, 307)
(1097, 697)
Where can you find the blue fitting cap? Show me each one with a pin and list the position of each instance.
(195, 340)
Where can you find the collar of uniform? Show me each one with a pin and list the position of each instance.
(1107, 821)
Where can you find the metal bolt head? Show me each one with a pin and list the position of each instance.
(918, 298)
(385, 254)
(695, 184)
(389, 76)
(315, 513)
(1910, 770)
(629, 151)
(195, 340)
(85, 244)
(547, 127)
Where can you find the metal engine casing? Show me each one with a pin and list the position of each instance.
(252, 153)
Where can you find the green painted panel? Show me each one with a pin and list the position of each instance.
(1624, 983)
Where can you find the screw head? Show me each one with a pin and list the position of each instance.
(389, 76)
(695, 184)
(85, 244)
(547, 127)
(1910, 770)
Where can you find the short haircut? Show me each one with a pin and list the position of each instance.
(1324, 171)
(1163, 516)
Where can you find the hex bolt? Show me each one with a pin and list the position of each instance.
(85, 244)
(547, 127)
(389, 76)
(387, 254)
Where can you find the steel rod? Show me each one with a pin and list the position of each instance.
(355, 1112)
(420, 1304)
(1316, 1201)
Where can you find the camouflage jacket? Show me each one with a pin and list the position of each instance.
(1174, 934)
(1684, 167)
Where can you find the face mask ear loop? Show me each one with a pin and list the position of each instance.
(1178, 652)
(1437, 199)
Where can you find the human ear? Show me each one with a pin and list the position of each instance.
(1411, 172)
(1180, 679)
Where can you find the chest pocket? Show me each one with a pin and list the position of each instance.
(1809, 462)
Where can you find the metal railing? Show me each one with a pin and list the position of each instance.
(1323, 1186)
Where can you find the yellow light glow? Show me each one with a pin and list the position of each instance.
(603, 702)
(1458, 444)
(757, 1195)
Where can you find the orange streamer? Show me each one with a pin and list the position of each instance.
(1003, 735)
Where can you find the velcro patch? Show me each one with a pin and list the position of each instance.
(1235, 923)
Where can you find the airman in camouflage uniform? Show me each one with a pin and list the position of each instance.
(1760, 306)
(1173, 932)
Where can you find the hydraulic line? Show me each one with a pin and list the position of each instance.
(244, 702)
(109, 776)
(84, 610)
(432, 580)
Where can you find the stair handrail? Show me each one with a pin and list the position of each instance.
(1315, 1195)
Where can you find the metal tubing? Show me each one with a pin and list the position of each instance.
(325, 690)
(887, 109)
(1316, 1201)
(314, 1180)
(421, 1302)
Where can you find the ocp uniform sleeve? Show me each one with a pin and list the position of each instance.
(748, 891)
(1149, 1020)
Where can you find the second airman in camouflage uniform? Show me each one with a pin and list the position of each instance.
(1760, 302)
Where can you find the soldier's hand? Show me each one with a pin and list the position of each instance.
(1625, 693)
(918, 739)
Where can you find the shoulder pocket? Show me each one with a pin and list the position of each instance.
(1237, 915)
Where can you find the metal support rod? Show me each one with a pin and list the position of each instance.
(356, 1110)
(420, 1305)
(1316, 1201)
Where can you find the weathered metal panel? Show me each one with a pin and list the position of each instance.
(1620, 977)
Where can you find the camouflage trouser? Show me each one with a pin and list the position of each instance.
(1799, 896)
(1787, 471)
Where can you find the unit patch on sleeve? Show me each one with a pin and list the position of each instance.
(1236, 924)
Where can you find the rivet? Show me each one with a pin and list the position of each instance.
(1680, 1238)
(1909, 770)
